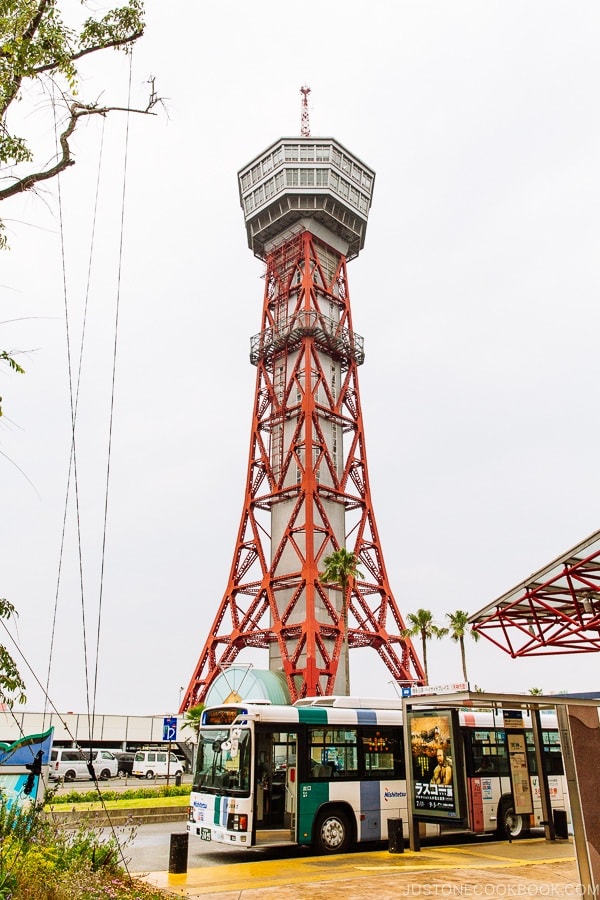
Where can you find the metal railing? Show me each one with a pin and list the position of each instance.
(340, 343)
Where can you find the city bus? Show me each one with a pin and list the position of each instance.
(330, 772)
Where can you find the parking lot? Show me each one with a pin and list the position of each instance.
(120, 783)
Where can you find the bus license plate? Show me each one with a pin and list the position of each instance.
(205, 834)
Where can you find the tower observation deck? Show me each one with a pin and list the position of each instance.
(306, 202)
(298, 181)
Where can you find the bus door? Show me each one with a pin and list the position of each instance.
(275, 780)
(485, 764)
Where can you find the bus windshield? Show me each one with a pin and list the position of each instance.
(223, 761)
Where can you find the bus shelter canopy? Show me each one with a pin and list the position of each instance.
(555, 610)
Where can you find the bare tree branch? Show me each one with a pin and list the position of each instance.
(77, 111)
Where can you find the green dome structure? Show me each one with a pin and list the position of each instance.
(238, 683)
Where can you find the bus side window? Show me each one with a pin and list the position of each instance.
(552, 753)
(485, 766)
(382, 749)
(485, 751)
(333, 752)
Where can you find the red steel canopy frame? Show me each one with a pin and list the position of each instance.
(555, 610)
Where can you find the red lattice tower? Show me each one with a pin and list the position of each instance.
(306, 203)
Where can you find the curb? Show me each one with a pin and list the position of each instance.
(103, 818)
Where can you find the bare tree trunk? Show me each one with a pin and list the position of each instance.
(346, 645)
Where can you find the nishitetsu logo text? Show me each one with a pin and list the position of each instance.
(392, 795)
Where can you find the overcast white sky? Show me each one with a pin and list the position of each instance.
(476, 293)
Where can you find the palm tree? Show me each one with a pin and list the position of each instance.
(459, 627)
(536, 691)
(423, 626)
(341, 567)
(193, 715)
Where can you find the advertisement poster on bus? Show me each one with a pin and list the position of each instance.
(433, 750)
(519, 773)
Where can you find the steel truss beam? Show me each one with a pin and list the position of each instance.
(556, 610)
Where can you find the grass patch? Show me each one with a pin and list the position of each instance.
(132, 803)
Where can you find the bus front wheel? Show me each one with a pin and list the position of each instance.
(332, 832)
(511, 824)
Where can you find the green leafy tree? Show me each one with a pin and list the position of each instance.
(536, 691)
(36, 45)
(341, 567)
(459, 628)
(12, 686)
(421, 624)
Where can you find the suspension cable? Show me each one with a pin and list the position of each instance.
(76, 403)
(73, 456)
(114, 368)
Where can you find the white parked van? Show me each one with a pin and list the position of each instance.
(106, 764)
(70, 764)
(152, 763)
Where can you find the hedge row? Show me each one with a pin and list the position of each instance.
(138, 794)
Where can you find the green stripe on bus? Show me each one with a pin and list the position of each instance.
(311, 715)
(310, 798)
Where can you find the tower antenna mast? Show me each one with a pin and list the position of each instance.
(305, 122)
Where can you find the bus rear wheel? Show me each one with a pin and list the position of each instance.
(332, 832)
(511, 824)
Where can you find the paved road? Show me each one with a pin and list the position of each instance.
(146, 848)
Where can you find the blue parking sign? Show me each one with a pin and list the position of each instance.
(170, 728)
